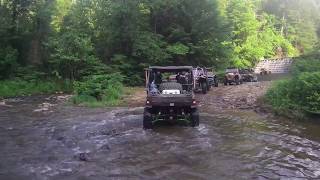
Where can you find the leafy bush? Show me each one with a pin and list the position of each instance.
(178, 49)
(99, 90)
(128, 66)
(29, 73)
(299, 94)
(310, 63)
(72, 55)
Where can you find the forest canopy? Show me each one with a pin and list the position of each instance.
(71, 40)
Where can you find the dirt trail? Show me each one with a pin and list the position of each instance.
(245, 96)
(135, 98)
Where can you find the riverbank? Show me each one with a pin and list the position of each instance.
(224, 98)
(243, 97)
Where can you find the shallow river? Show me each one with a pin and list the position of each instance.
(79, 143)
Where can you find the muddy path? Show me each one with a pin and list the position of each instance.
(223, 98)
(43, 138)
(235, 98)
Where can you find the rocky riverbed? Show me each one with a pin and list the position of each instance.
(43, 138)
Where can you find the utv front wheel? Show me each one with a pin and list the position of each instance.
(216, 83)
(194, 118)
(147, 120)
(237, 80)
(208, 87)
(204, 87)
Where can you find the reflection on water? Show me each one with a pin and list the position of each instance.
(74, 143)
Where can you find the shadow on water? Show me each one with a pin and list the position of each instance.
(80, 143)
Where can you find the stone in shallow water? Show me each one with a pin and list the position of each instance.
(3, 103)
(83, 156)
(44, 107)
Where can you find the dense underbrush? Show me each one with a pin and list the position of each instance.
(99, 90)
(298, 96)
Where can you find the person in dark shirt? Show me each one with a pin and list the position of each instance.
(158, 78)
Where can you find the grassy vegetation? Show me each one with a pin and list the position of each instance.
(299, 96)
(120, 100)
(89, 101)
(92, 91)
(13, 88)
(99, 90)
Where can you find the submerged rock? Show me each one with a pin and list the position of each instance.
(3, 103)
(83, 157)
(44, 107)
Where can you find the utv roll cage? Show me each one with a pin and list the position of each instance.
(170, 96)
(152, 71)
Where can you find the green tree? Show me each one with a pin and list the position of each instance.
(298, 20)
(71, 54)
(253, 36)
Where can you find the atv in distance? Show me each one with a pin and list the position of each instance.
(232, 76)
(212, 78)
(248, 75)
(264, 71)
(201, 80)
(170, 99)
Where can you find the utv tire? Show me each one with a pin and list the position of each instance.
(170, 86)
(147, 120)
(204, 87)
(225, 82)
(208, 87)
(237, 81)
(216, 83)
(195, 118)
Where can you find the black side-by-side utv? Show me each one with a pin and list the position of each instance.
(170, 96)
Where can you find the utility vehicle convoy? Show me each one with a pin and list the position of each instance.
(170, 96)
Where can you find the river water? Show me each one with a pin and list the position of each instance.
(64, 142)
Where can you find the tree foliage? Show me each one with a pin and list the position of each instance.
(253, 35)
(74, 39)
(298, 21)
